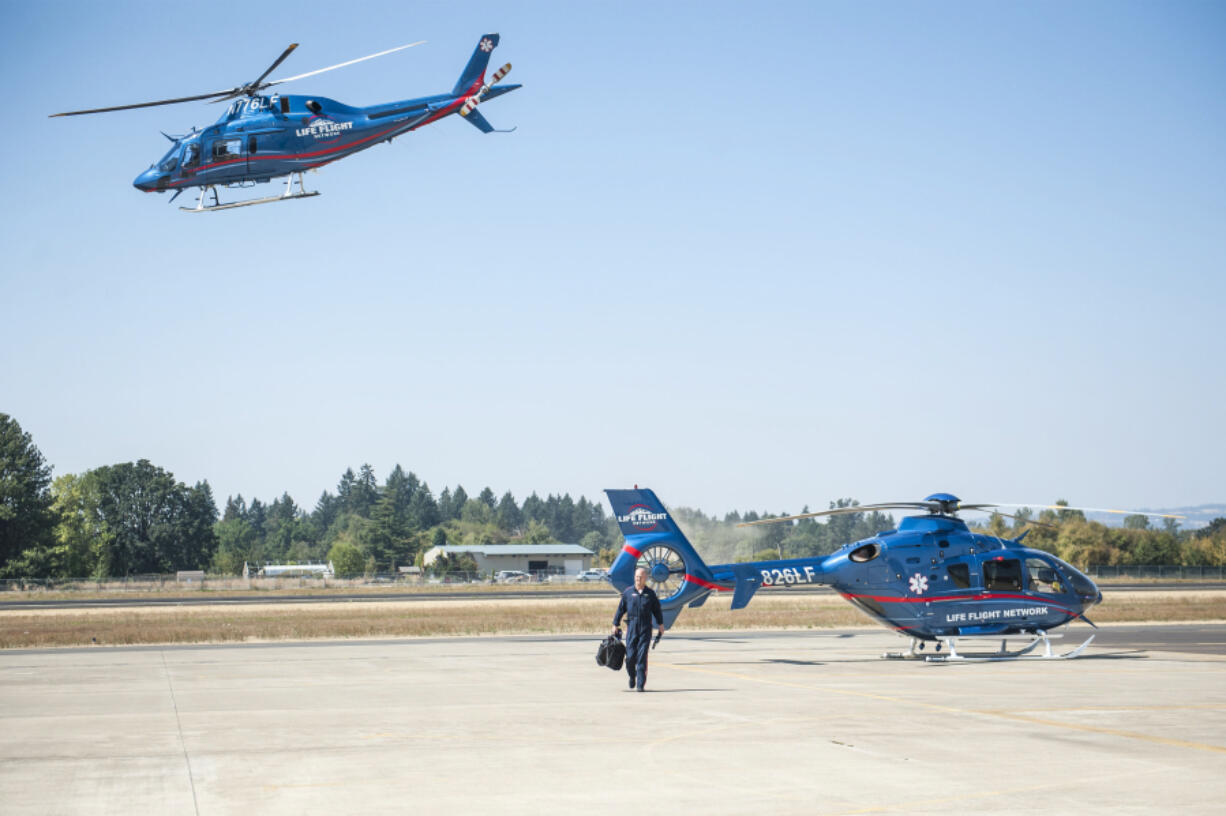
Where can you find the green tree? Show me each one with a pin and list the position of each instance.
(422, 507)
(537, 533)
(79, 535)
(364, 492)
(1136, 522)
(454, 506)
(154, 524)
(508, 515)
(26, 520)
(390, 536)
(476, 512)
(236, 542)
(346, 559)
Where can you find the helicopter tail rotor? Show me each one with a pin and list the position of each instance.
(475, 100)
(655, 543)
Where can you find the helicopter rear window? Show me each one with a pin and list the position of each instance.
(227, 148)
(1005, 574)
(960, 574)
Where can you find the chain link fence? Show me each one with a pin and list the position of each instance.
(1156, 571)
(204, 581)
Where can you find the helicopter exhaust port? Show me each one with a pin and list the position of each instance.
(866, 553)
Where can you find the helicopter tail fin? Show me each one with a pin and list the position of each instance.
(654, 541)
(474, 73)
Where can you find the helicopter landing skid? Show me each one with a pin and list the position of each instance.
(217, 205)
(1040, 637)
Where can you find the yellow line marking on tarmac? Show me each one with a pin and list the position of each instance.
(1199, 746)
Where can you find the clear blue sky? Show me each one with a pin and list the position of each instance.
(751, 255)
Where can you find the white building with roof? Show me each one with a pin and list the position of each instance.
(553, 559)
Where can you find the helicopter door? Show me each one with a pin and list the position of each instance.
(951, 581)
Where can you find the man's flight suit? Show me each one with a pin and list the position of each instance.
(640, 609)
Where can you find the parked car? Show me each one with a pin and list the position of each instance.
(511, 577)
(593, 575)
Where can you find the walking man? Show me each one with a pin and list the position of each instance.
(641, 607)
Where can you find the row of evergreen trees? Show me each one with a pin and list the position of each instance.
(135, 518)
(365, 526)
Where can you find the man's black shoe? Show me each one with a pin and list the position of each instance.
(642, 689)
(631, 682)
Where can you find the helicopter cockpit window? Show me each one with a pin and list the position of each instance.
(960, 575)
(1043, 577)
(191, 155)
(170, 161)
(1005, 574)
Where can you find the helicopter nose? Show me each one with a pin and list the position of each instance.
(147, 181)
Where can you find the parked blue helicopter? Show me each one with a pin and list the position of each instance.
(261, 137)
(932, 579)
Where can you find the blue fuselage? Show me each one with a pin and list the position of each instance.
(262, 137)
(933, 577)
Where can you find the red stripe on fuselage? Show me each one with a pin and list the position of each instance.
(189, 182)
(633, 552)
(981, 596)
(696, 580)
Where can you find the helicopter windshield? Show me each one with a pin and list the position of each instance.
(1082, 585)
(170, 161)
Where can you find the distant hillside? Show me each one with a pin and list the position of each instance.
(1195, 517)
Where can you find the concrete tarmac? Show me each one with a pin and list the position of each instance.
(780, 723)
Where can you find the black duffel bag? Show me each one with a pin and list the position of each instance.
(611, 652)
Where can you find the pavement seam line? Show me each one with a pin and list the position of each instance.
(191, 780)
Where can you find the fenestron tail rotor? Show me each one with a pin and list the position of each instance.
(246, 89)
(665, 570)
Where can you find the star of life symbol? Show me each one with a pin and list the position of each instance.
(919, 583)
(486, 45)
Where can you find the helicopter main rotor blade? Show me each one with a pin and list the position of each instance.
(242, 90)
(1025, 520)
(253, 86)
(330, 67)
(214, 95)
(1083, 509)
(839, 511)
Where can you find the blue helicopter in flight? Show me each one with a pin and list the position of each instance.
(931, 579)
(262, 136)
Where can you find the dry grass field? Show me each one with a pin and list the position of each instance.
(485, 616)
